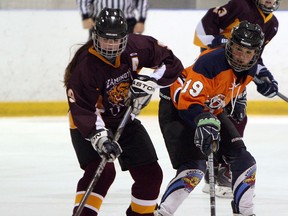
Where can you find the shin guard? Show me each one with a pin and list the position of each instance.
(243, 191)
(178, 190)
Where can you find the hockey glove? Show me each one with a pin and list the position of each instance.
(207, 134)
(141, 92)
(239, 111)
(103, 144)
(266, 85)
(218, 41)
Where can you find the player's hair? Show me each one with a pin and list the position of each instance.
(69, 69)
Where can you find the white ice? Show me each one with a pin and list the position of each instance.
(39, 170)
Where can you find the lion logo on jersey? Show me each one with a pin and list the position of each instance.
(119, 93)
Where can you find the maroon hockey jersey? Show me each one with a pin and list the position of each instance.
(221, 20)
(98, 89)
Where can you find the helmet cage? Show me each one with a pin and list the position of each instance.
(111, 25)
(267, 10)
(236, 65)
(248, 36)
(109, 53)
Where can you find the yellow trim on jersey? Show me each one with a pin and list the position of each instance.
(265, 18)
(226, 32)
(71, 121)
(94, 52)
(228, 29)
(60, 108)
(198, 42)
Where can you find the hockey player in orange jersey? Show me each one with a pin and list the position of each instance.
(193, 117)
(212, 31)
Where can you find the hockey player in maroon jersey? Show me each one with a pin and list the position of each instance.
(98, 84)
(212, 31)
(193, 118)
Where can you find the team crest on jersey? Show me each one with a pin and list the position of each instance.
(221, 11)
(250, 176)
(216, 102)
(192, 179)
(119, 93)
(117, 96)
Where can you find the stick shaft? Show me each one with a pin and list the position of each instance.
(212, 184)
(282, 96)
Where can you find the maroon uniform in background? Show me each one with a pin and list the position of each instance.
(220, 20)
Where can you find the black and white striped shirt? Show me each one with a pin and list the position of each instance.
(131, 8)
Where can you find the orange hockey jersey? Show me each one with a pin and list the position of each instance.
(208, 85)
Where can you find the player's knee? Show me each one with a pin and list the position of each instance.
(148, 179)
(240, 162)
(109, 173)
(106, 178)
(240, 159)
(193, 164)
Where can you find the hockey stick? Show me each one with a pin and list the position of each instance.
(212, 181)
(282, 96)
(102, 163)
(226, 125)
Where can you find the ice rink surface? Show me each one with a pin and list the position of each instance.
(39, 170)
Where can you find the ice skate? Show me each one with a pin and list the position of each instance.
(235, 214)
(223, 182)
(206, 187)
(235, 210)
